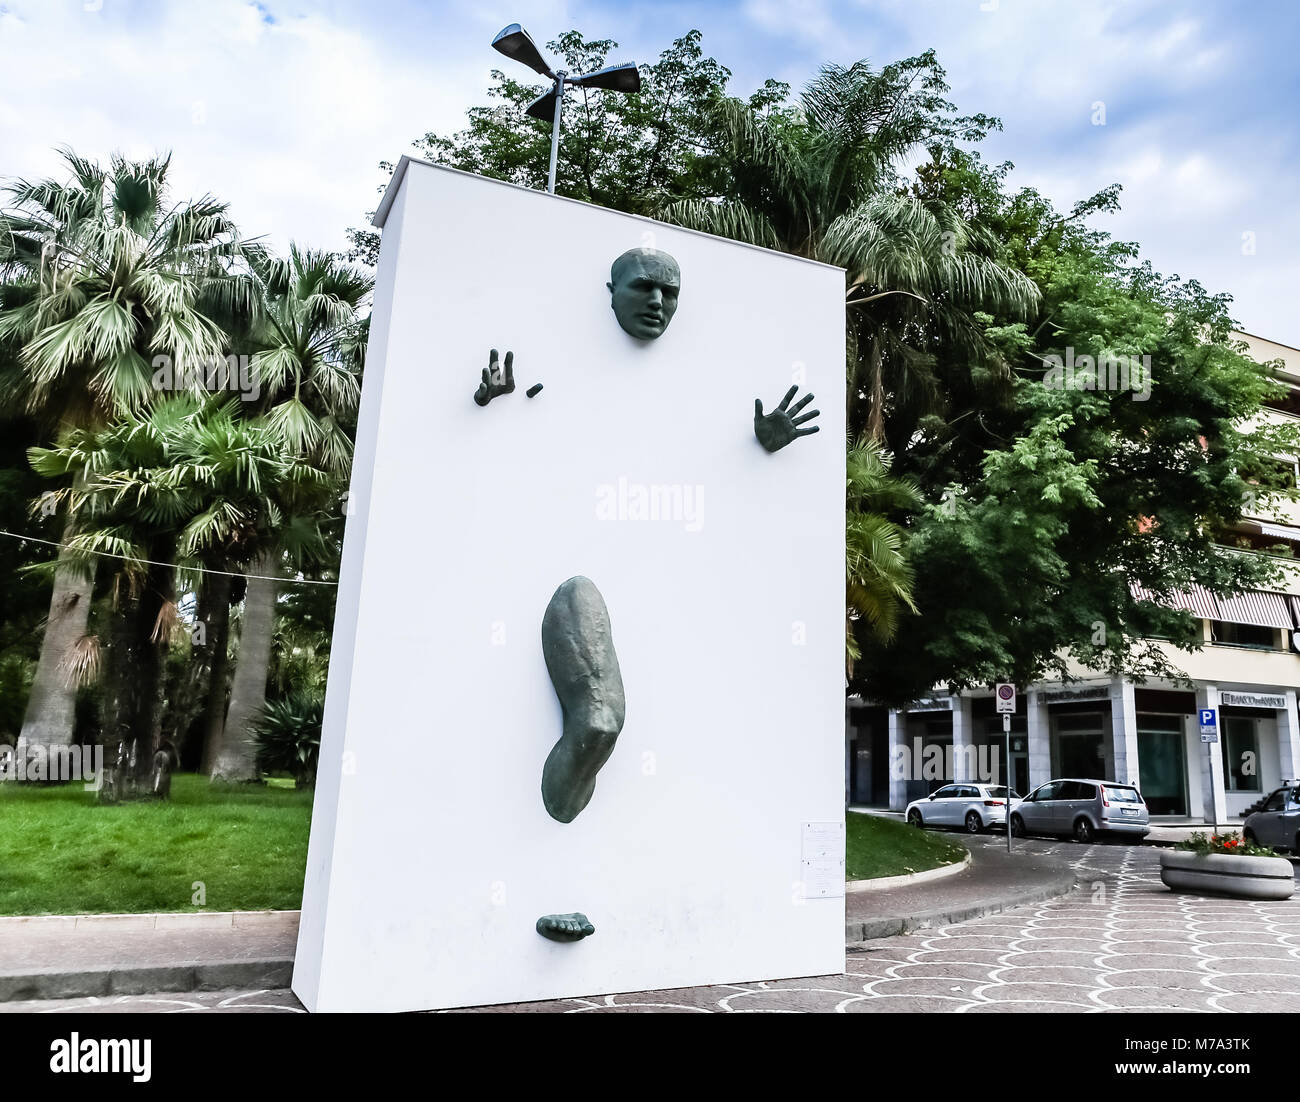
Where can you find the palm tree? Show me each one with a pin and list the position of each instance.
(817, 181)
(878, 582)
(99, 275)
(312, 348)
(183, 487)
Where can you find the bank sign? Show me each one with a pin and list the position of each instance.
(1252, 700)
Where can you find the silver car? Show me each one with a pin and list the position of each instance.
(1082, 808)
(1277, 822)
(974, 807)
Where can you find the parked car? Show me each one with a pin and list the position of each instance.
(1082, 808)
(1277, 822)
(974, 807)
(1258, 805)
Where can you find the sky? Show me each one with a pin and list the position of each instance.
(285, 107)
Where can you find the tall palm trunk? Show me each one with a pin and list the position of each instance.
(235, 754)
(217, 600)
(51, 715)
(50, 719)
(876, 415)
(147, 641)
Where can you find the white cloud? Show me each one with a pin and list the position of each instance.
(287, 120)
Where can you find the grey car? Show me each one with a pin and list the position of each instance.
(1082, 808)
(1277, 823)
(973, 806)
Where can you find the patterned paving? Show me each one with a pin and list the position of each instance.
(1122, 942)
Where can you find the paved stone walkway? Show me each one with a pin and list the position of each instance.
(1121, 942)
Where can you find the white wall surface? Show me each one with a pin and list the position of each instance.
(431, 854)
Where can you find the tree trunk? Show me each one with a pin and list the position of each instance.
(146, 662)
(217, 601)
(50, 718)
(235, 754)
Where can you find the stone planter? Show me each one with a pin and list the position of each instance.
(1227, 874)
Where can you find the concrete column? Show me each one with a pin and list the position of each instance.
(1123, 732)
(1213, 792)
(1288, 739)
(1039, 732)
(964, 766)
(898, 756)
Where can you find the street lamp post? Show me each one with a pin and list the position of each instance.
(517, 44)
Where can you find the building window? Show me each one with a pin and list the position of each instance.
(1240, 754)
(1243, 635)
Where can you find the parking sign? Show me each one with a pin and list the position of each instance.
(1005, 694)
(1209, 725)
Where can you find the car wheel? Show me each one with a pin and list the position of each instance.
(974, 824)
(1017, 826)
(1083, 831)
(914, 818)
(1248, 836)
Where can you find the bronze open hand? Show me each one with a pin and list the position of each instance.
(493, 383)
(781, 426)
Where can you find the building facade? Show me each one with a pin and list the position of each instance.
(1145, 734)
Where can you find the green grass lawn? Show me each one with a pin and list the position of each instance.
(62, 853)
(884, 847)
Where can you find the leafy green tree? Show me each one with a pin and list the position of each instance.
(1048, 503)
(102, 273)
(626, 152)
(820, 180)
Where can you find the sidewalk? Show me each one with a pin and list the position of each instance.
(68, 956)
(994, 882)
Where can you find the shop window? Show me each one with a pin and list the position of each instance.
(1240, 745)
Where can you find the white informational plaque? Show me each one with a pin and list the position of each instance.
(722, 566)
(823, 860)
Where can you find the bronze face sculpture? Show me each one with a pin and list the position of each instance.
(643, 286)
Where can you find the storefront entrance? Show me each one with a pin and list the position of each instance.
(1077, 745)
(1162, 763)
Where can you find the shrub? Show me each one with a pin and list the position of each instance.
(288, 736)
(1203, 843)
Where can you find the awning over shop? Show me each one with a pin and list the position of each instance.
(1258, 607)
(1278, 531)
(1197, 600)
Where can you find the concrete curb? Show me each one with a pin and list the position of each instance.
(858, 932)
(101, 982)
(167, 952)
(880, 883)
(165, 920)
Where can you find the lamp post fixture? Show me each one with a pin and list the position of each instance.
(517, 44)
